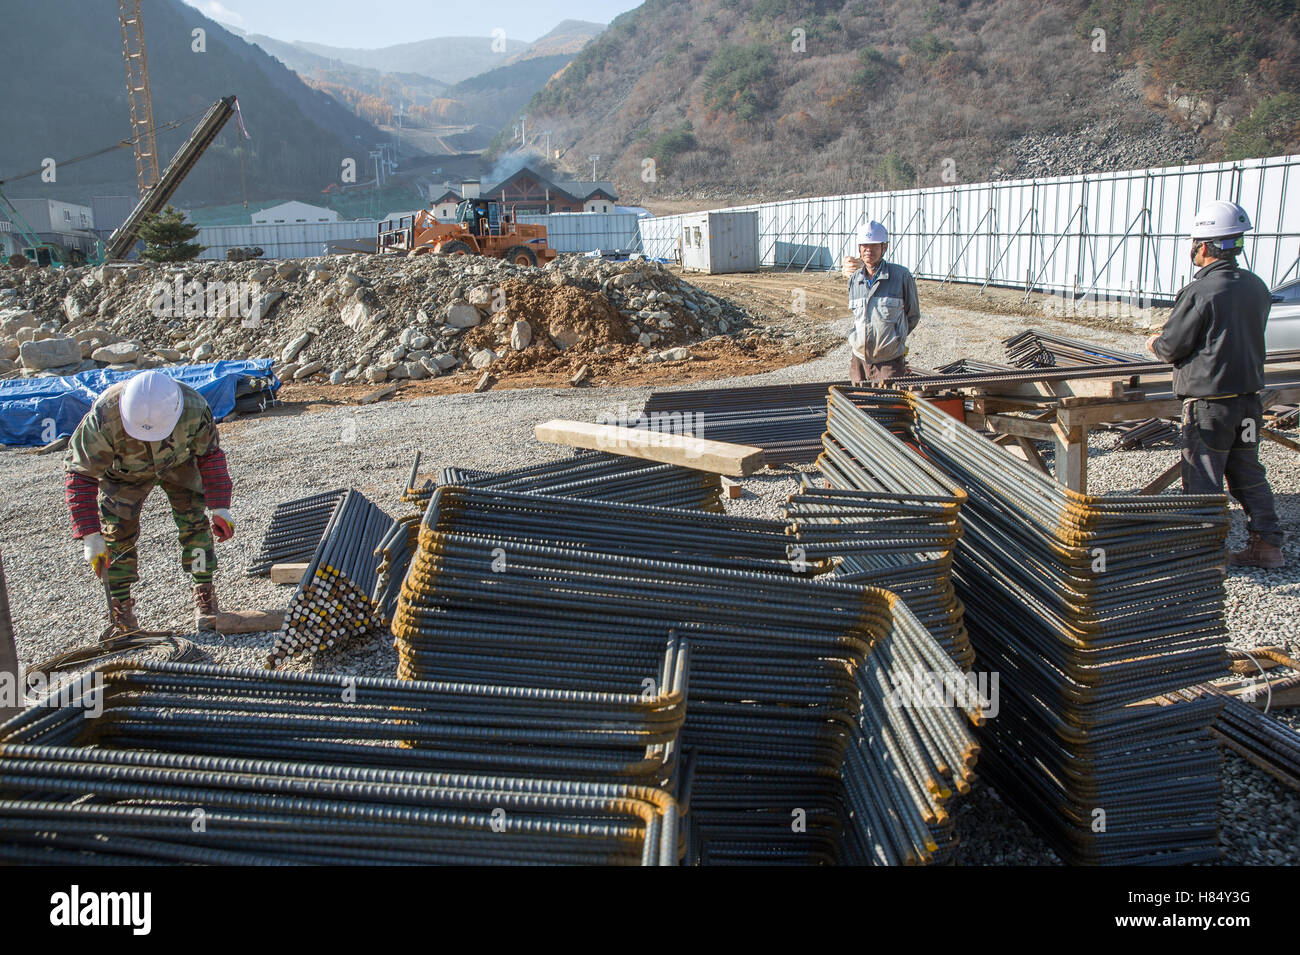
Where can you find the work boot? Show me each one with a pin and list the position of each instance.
(122, 615)
(1257, 553)
(205, 600)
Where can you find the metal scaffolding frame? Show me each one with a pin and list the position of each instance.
(1115, 235)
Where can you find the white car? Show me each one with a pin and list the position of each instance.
(1283, 328)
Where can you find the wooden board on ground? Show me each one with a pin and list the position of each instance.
(716, 457)
(287, 573)
(243, 621)
(374, 396)
(731, 489)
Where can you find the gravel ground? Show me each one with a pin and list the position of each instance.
(57, 604)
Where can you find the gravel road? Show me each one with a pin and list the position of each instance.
(57, 604)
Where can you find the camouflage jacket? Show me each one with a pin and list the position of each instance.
(101, 448)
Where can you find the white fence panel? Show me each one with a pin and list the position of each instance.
(287, 241)
(1117, 234)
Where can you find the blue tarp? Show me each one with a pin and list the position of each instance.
(36, 411)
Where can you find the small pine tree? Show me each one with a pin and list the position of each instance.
(167, 237)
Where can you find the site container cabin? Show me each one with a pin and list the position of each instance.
(720, 242)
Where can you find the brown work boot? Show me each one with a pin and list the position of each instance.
(122, 616)
(1257, 553)
(205, 600)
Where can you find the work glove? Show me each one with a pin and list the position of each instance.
(223, 526)
(96, 552)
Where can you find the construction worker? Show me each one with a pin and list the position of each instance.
(1214, 337)
(883, 298)
(148, 430)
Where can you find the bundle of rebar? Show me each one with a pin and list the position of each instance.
(1034, 349)
(597, 475)
(786, 421)
(890, 519)
(334, 601)
(202, 709)
(394, 552)
(1084, 605)
(1258, 738)
(101, 805)
(788, 674)
(971, 366)
(295, 531)
(1147, 434)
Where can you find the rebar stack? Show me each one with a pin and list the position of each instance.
(1035, 349)
(971, 366)
(1253, 735)
(201, 709)
(786, 421)
(595, 475)
(394, 553)
(1084, 605)
(787, 673)
(1147, 433)
(295, 531)
(334, 601)
(890, 518)
(82, 805)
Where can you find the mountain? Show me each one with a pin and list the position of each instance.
(489, 96)
(494, 98)
(568, 36)
(300, 136)
(447, 59)
(771, 98)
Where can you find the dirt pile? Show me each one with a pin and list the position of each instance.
(357, 318)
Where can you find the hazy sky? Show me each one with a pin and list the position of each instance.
(379, 23)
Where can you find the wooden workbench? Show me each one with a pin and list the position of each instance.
(1065, 412)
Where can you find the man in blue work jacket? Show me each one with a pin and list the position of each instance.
(883, 298)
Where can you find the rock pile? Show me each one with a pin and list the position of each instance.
(356, 317)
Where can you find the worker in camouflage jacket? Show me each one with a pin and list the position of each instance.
(150, 430)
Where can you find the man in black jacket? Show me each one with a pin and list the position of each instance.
(1214, 337)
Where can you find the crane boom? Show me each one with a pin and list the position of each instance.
(155, 198)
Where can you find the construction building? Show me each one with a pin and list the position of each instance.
(531, 193)
(54, 221)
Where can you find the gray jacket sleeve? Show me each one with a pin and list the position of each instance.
(1183, 331)
(911, 303)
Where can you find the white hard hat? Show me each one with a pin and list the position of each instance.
(1220, 220)
(151, 405)
(873, 231)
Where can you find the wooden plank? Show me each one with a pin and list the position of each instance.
(1166, 478)
(731, 489)
(1281, 439)
(716, 457)
(1031, 454)
(243, 621)
(1071, 457)
(1006, 424)
(1078, 388)
(1089, 416)
(288, 573)
(374, 396)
